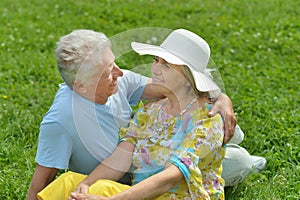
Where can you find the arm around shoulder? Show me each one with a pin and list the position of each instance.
(223, 105)
(151, 92)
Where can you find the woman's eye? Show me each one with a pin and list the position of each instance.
(167, 66)
(156, 59)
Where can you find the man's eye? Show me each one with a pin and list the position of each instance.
(106, 75)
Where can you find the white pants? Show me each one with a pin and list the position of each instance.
(237, 163)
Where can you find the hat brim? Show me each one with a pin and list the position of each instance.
(203, 82)
(148, 49)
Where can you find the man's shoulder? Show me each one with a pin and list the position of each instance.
(61, 106)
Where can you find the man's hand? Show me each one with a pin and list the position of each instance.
(82, 188)
(223, 105)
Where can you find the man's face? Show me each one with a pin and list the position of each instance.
(103, 83)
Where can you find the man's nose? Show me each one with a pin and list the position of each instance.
(117, 71)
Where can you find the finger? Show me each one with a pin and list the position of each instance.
(76, 190)
(229, 130)
(84, 190)
(78, 196)
(212, 112)
(226, 137)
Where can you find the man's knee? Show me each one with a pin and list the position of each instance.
(236, 164)
(61, 187)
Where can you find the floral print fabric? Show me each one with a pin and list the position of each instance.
(193, 143)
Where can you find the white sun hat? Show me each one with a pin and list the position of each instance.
(183, 47)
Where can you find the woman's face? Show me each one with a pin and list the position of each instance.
(167, 75)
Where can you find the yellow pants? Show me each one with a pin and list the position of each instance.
(61, 188)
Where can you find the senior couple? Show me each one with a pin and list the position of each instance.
(176, 146)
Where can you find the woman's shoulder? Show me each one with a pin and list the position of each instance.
(201, 113)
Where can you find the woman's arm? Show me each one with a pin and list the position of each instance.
(153, 186)
(149, 188)
(113, 167)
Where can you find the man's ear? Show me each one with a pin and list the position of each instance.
(79, 87)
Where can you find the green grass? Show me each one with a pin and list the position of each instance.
(254, 43)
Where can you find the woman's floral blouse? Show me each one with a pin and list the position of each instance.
(192, 143)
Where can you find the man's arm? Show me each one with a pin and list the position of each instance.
(151, 92)
(223, 105)
(40, 179)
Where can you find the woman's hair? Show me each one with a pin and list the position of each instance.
(78, 53)
(188, 75)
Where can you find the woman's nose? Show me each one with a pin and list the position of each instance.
(156, 68)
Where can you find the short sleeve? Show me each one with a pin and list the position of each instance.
(134, 84)
(136, 126)
(54, 146)
(128, 134)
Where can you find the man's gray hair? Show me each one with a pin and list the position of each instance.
(78, 53)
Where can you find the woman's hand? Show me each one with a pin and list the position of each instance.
(81, 196)
(223, 105)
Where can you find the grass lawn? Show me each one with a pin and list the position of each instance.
(255, 45)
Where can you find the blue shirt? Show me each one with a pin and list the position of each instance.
(77, 133)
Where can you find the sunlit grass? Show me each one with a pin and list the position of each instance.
(254, 43)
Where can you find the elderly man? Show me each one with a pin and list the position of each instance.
(82, 126)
